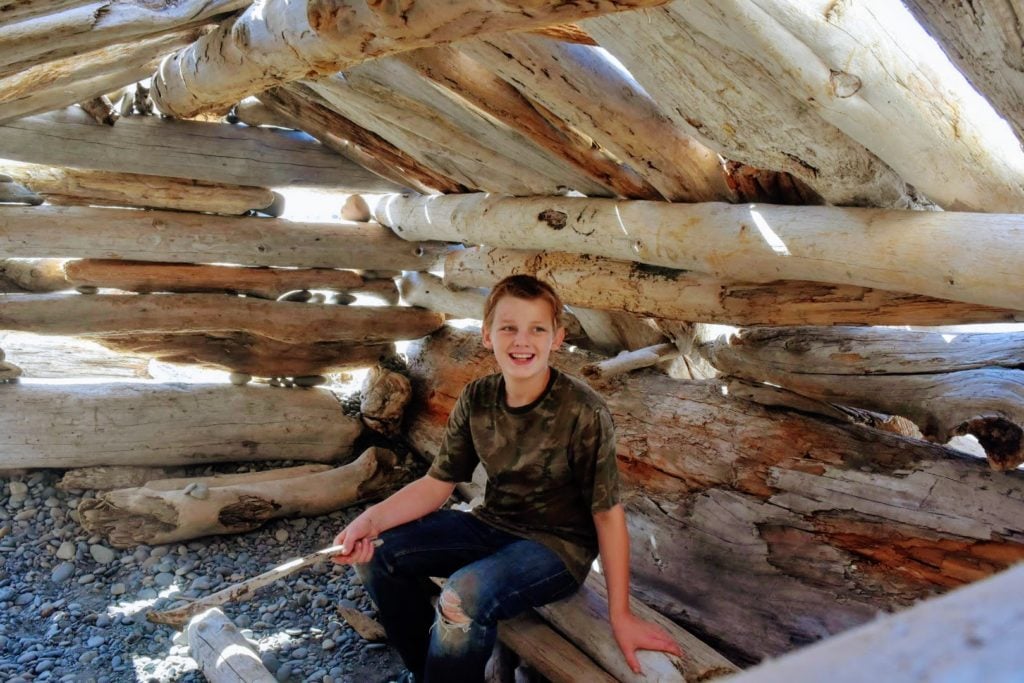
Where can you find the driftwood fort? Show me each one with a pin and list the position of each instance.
(840, 181)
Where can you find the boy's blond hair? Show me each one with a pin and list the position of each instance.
(523, 287)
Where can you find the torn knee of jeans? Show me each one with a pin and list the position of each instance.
(450, 607)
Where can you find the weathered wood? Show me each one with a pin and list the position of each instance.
(630, 360)
(221, 480)
(941, 399)
(579, 84)
(76, 187)
(113, 477)
(309, 111)
(383, 398)
(264, 283)
(613, 331)
(368, 629)
(129, 517)
(296, 323)
(9, 371)
(98, 24)
(547, 651)
(181, 237)
(878, 248)
(584, 616)
(872, 72)
(222, 652)
(597, 282)
(279, 41)
(960, 636)
(476, 150)
(215, 152)
(252, 112)
(101, 110)
(14, 193)
(65, 357)
(759, 528)
(249, 353)
(735, 107)
(12, 11)
(78, 425)
(32, 275)
(980, 40)
(458, 72)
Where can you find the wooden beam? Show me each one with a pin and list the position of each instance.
(80, 29)
(55, 425)
(168, 236)
(580, 85)
(63, 82)
(76, 187)
(960, 636)
(657, 292)
(280, 41)
(215, 152)
(735, 107)
(878, 248)
(284, 321)
(978, 38)
(764, 528)
(872, 72)
(466, 77)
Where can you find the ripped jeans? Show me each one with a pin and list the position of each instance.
(492, 575)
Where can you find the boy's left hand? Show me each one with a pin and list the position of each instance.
(633, 633)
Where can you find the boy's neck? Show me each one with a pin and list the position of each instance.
(519, 393)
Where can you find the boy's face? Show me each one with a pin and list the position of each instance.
(522, 336)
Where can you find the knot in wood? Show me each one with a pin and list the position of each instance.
(844, 84)
(555, 220)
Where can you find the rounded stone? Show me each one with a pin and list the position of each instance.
(281, 535)
(101, 553)
(87, 289)
(239, 378)
(62, 572)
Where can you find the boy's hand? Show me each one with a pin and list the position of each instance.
(633, 633)
(358, 540)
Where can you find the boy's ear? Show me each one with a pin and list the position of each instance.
(559, 338)
(486, 332)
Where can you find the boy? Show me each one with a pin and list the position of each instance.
(547, 443)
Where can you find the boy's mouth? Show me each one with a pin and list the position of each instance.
(521, 357)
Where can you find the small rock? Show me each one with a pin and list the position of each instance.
(87, 289)
(85, 579)
(18, 488)
(24, 599)
(95, 641)
(202, 583)
(62, 572)
(341, 299)
(300, 295)
(239, 378)
(327, 644)
(198, 490)
(118, 589)
(281, 535)
(66, 551)
(284, 672)
(163, 579)
(101, 553)
(29, 513)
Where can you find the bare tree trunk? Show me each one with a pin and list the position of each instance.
(879, 248)
(758, 528)
(52, 425)
(154, 516)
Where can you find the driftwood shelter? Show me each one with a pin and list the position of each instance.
(841, 181)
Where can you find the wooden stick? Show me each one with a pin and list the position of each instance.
(243, 590)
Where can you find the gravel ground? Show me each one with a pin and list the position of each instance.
(73, 609)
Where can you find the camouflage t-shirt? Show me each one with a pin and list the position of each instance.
(549, 464)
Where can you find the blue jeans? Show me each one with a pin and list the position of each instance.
(492, 575)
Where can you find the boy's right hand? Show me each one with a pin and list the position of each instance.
(358, 540)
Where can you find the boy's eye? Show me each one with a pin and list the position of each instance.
(539, 330)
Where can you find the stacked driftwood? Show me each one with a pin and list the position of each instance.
(783, 485)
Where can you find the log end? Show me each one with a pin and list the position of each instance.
(1002, 440)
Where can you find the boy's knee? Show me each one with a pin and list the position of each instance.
(450, 606)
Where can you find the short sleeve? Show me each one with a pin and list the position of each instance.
(594, 462)
(457, 457)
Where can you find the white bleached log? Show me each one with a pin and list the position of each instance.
(597, 282)
(54, 425)
(215, 152)
(961, 636)
(453, 70)
(297, 323)
(32, 275)
(97, 24)
(611, 332)
(871, 71)
(155, 516)
(222, 652)
(580, 85)
(12, 11)
(279, 41)
(631, 360)
(179, 237)
(735, 107)
(46, 357)
(920, 252)
(77, 187)
(981, 39)
(106, 478)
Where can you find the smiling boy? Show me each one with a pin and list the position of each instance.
(547, 444)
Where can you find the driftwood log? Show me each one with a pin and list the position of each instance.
(66, 357)
(78, 425)
(284, 321)
(153, 515)
(596, 282)
(760, 529)
(944, 387)
(222, 652)
(878, 248)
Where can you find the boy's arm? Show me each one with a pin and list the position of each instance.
(421, 497)
(631, 632)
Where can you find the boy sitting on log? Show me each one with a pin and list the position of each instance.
(547, 443)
